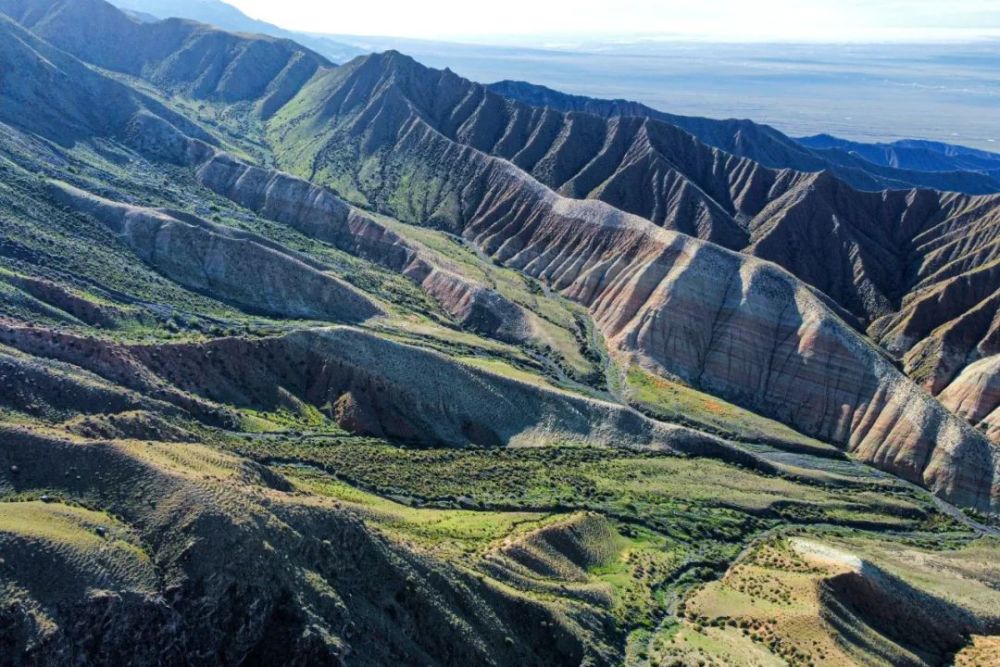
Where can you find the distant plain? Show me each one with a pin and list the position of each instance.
(872, 93)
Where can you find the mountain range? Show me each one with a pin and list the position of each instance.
(370, 363)
(904, 164)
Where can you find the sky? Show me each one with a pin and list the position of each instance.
(550, 21)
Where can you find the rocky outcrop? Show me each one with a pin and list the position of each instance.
(893, 253)
(898, 255)
(123, 541)
(740, 328)
(217, 260)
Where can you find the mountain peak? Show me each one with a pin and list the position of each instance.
(394, 60)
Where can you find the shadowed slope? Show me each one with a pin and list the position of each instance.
(182, 56)
(166, 579)
(55, 96)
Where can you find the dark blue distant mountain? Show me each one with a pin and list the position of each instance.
(912, 154)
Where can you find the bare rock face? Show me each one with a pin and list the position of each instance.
(313, 210)
(975, 395)
(946, 326)
(738, 327)
(357, 416)
(682, 307)
(218, 260)
(917, 268)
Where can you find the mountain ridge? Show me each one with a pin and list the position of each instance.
(205, 63)
(770, 147)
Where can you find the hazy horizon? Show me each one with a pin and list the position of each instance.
(706, 20)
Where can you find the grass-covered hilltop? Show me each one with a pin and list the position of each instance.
(307, 364)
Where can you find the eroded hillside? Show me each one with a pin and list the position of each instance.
(366, 365)
(724, 323)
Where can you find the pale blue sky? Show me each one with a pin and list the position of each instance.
(725, 20)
